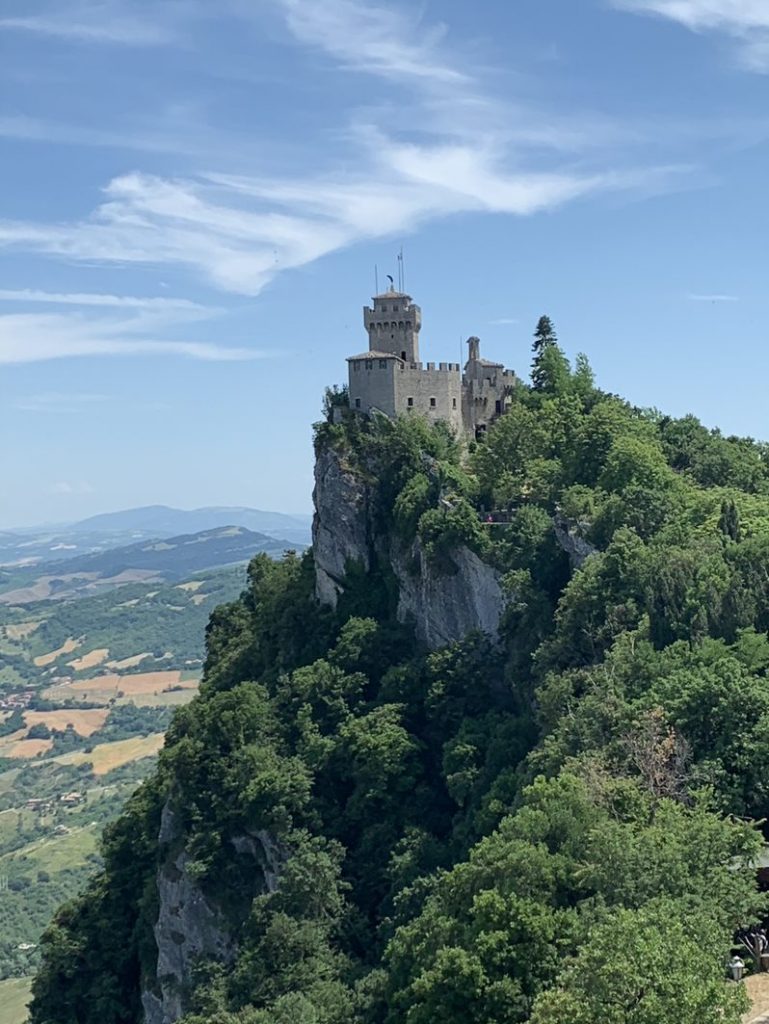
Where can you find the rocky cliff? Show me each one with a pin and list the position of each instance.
(444, 602)
(189, 926)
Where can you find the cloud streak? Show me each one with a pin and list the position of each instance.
(746, 21)
(472, 153)
(33, 337)
(713, 298)
(59, 401)
(104, 21)
(32, 295)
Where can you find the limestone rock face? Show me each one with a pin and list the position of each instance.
(340, 532)
(188, 925)
(444, 605)
(569, 535)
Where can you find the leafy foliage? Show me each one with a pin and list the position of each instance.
(506, 830)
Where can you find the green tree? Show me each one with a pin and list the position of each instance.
(646, 966)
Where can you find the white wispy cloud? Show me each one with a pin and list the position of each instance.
(503, 321)
(101, 21)
(472, 152)
(33, 295)
(374, 39)
(31, 337)
(746, 21)
(713, 298)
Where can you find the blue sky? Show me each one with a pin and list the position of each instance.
(193, 196)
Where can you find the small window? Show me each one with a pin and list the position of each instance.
(356, 366)
(410, 403)
(403, 356)
(432, 403)
(357, 403)
(369, 364)
(382, 364)
(453, 403)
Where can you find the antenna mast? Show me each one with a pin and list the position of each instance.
(376, 279)
(401, 272)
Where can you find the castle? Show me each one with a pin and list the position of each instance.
(390, 378)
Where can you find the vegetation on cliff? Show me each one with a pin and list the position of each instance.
(554, 825)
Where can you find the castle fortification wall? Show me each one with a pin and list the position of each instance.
(435, 392)
(372, 385)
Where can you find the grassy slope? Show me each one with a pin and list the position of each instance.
(14, 994)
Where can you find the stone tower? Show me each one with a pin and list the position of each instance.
(393, 325)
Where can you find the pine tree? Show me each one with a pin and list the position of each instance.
(550, 368)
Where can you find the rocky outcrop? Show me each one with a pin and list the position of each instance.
(188, 926)
(447, 603)
(444, 602)
(340, 528)
(569, 535)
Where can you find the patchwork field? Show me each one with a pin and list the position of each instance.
(144, 688)
(7, 743)
(43, 660)
(106, 756)
(90, 660)
(84, 722)
(114, 663)
(27, 748)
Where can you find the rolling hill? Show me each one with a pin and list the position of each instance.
(54, 543)
(156, 560)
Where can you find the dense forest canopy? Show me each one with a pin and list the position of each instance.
(555, 825)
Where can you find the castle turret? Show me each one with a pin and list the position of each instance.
(393, 325)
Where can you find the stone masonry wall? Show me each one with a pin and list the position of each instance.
(441, 385)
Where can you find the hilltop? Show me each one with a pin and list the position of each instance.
(494, 752)
(33, 545)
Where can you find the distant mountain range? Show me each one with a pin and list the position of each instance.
(163, 521)
(35, 545)
(164, 559)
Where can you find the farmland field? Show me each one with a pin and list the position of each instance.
(90, 660)
(69, 645)
(102, 689)
(112, 666)
(84, 722)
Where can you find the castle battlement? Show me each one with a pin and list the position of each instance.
(390, 378)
